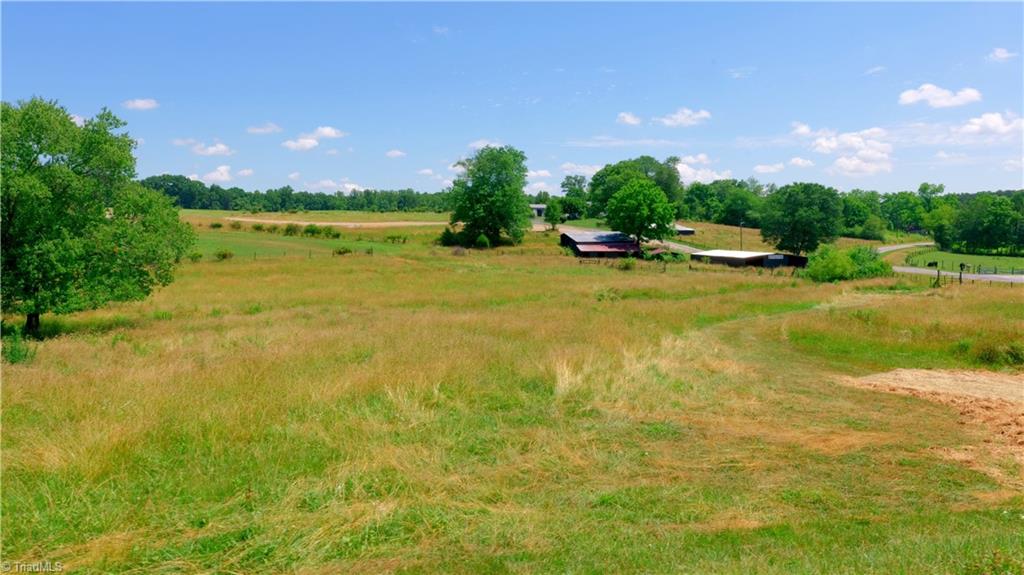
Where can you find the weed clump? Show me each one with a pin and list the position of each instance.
(222, 254)
(216, 225)
(342, 251)
(235, 225)
(481, 242)
(194, 257)
(311, 231)
(627, 264)
(257, 227)
(292, 230)
(15, 349)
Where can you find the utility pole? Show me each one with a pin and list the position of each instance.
(741, 235)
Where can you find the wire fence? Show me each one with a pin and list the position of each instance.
(955, 266)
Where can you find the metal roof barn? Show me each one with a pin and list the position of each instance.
(600, 244)
(744, 258)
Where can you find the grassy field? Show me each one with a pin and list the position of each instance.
(951, 261)
(513, 410)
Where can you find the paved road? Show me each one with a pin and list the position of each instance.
(1004, 278)
(893, 248)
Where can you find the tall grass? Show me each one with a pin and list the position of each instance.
(508, 410)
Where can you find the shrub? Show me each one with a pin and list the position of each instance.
(16, 350)
(235, 225)
(216, 225)
(828, 264)
(330, 233)
(257, 227)
(342, 251)
(458, 251)
(272, 228)
(311, 230)
(626, 264)
(448, 238)
(292, 230)
(482, 243)
(222, 254)
(395, 239)
(996, 353)
(195, 257)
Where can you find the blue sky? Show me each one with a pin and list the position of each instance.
(335, 96)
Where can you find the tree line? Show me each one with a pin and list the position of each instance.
(194, 194)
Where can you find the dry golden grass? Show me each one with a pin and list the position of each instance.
(511, 410)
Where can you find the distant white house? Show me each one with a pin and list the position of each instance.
(538, 210)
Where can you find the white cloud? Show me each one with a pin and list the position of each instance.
(483, 143)
(294, 176)
(684, 117)
(741, 72)
(769, 168)
(245, 172)
(441, 30)
(332, 152)
(200, 148)
(217, 149)
(194, 177)
(862, 153)
(311, 140)
(800, 162)
(1014, 164)
(538, 187)
(874, 70)
(394, 153)
(944, 155)
(458, 169)
(141, 104)
(587, 170)
(538, 174)
(301, 144)
(689, 174)
(78, 120)
(629, 119)
(323, 132)
(425, 172)
(701, 159)
(1001, 55)
(992, 123)
(326, 184)
(937, 97)
(220, 175)
(351, 187)
(268, 128)
(800, 129)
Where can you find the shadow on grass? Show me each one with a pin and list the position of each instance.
(53, 326)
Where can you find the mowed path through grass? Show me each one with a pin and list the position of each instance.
(512, 410)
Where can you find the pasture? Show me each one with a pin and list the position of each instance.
(415, 410)
(951, 261)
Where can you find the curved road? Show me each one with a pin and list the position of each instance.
(1004, 278)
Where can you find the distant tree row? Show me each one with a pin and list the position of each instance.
(799, 216)
(194, 194)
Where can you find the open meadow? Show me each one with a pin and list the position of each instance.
(411, 408)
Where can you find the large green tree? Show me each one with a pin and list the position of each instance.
(614, 177)
(641, 210)
(574, 199)
(488, 198)
(77, 231)
(801, 216)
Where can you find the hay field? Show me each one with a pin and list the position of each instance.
(417, 411)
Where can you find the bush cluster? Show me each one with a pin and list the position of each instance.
(829, 264)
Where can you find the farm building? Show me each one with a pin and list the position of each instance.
(600, 244)
(757, 259)
(684, 231)
(538, 210)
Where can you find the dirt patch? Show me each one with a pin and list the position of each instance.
(993, 400)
